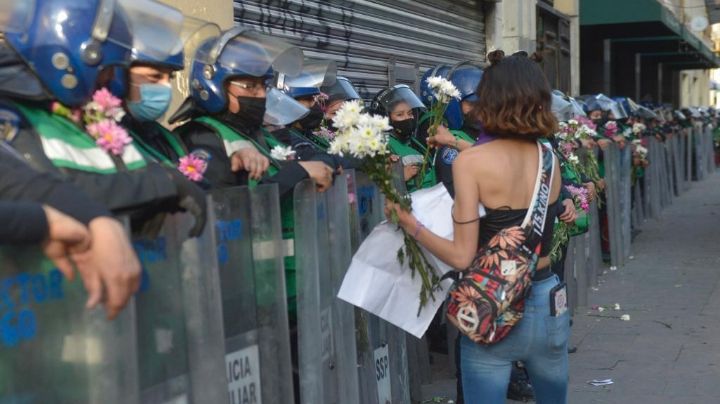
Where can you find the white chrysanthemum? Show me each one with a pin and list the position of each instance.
(572, 122)
(434, 81)
(638, 128)
(282, 153)
(573, 159)
(380, 123)
(348, 115)
(443, 90)
(563, 125)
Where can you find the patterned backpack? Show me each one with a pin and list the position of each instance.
(489, 298)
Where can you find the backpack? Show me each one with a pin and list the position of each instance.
(489, 298)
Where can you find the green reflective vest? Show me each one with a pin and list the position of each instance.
(409, 156)
(68, 146)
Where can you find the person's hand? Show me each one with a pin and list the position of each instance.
(592, 192)
(191, 199)
(66, 236)
(604, 143)
(110, 270)
(411, 171)
(569, 215)
(405, 218)
(601, 184)
(620, 140)
(320, 172)
(588, 143)
(442, 137)
(250, 160)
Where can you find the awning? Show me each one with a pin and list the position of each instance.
(653, 28)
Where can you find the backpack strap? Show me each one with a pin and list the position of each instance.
(534, 222)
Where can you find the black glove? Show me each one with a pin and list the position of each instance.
(191, 199)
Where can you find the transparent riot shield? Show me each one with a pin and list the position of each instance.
(179, 327)
(688, 158)
(53, 350)
(203, 310)
(570, 280)
(326, 326)
(613, 177)
(626, 202)
(369, 204)
(698, 155)
(709, 150)
(252, 282)
(382, 354)
(594, 244)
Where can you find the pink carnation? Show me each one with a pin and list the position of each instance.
(105, 100)
(109, 136)
(583, 120)
(192, 167)
(611, 129)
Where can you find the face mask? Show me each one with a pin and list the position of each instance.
(313, 119)
(154, 102)
(404, 129)
(252, 111)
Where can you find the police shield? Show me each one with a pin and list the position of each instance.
(250, 256)
(54, 350)
(326, 336)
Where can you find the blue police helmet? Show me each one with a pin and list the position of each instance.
(303, 92)
(238, 52)
(69, 42)
(466, 77)
(315, 74)
(193, 31)
(341, 90)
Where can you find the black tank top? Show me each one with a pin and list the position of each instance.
(502, 218)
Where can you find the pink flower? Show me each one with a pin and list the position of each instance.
(109, 136)
(611, 129)
(105, 100)
(192, 167)
(587, 122)
(74, 115)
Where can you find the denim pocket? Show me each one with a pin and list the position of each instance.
(558, 331)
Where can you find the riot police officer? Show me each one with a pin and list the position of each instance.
(403, 108)
(65, 66)
(461, 131)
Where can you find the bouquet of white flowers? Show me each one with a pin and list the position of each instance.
(443, 91)
(364, 137)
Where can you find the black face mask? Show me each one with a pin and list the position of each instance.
(313, 119)
(252, 111)
(403, 130)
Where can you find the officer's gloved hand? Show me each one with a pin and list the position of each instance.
(191, 199)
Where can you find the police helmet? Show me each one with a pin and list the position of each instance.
(465, 76)
(68, 42)
(237, 52)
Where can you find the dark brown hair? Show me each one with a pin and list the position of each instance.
(514, 98)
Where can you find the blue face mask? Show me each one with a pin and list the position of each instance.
(154, 101)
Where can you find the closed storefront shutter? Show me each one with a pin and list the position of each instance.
(375, 43)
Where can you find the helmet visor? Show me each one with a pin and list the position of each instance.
(252, 53)
(156, 28)
(561, 108)
(341, 90)
(281, 109)
(398, 96)
(315, 73)
(16, 16)
(646, 113)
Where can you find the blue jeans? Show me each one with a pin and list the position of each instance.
(538, 339)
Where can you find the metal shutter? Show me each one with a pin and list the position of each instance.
(375, 43)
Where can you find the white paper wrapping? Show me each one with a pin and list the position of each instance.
(377, 283)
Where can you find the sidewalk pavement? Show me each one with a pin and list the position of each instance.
(669, 350)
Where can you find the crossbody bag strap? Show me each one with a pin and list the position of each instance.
(534, 222)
